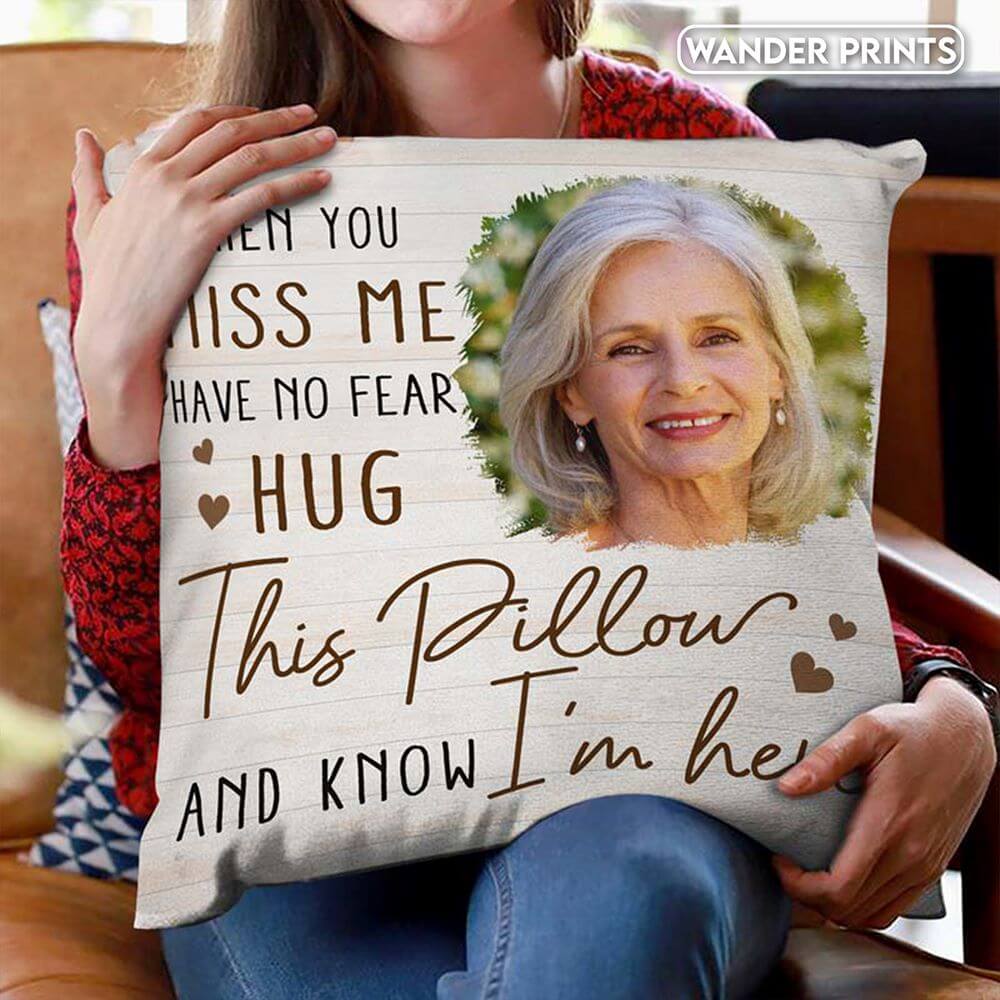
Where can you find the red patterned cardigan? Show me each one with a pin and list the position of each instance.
(111, 518)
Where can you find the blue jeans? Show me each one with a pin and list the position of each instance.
(622, 897)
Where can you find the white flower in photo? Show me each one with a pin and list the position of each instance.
(513, 243)
(479, 377)
(485, 277)
(488, 339)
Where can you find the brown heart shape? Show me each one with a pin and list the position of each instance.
(213, 509)
(842, 629)
(807, 677)
(203, 452)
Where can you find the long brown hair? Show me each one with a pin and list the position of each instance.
(273, 53)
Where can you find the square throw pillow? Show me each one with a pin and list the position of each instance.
(94, 834)
(505, 474)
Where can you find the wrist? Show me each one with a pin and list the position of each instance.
(943, 686)
(943, 691)
(108, 349)
(921, 674)
(124, 411)
(120, 389)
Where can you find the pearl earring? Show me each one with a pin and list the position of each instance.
(780, 417)
(581, 442)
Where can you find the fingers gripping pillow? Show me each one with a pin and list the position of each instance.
(505, 474)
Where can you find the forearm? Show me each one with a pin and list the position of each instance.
(110, 562)
(123, 402)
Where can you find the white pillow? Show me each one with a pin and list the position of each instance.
(346, 329)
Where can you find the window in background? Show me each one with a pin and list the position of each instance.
(652, 26)
(167, 21)
(114, 20)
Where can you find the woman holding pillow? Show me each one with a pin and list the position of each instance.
(627, 896)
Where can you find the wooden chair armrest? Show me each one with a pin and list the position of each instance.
(926, 578)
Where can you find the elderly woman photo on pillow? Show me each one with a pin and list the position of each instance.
(657, 382)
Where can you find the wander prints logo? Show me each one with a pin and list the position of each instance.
(820, 49)
(362, 663)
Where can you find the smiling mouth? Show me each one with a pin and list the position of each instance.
(684, 428)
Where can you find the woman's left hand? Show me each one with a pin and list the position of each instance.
(926, 766)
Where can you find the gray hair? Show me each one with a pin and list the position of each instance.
(550, 340)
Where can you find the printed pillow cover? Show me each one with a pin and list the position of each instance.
(505, 474)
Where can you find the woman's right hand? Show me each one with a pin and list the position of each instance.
(144, 251)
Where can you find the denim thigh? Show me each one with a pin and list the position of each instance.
(626, 896)
(387, 934)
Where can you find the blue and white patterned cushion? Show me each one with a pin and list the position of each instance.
(94, 833)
